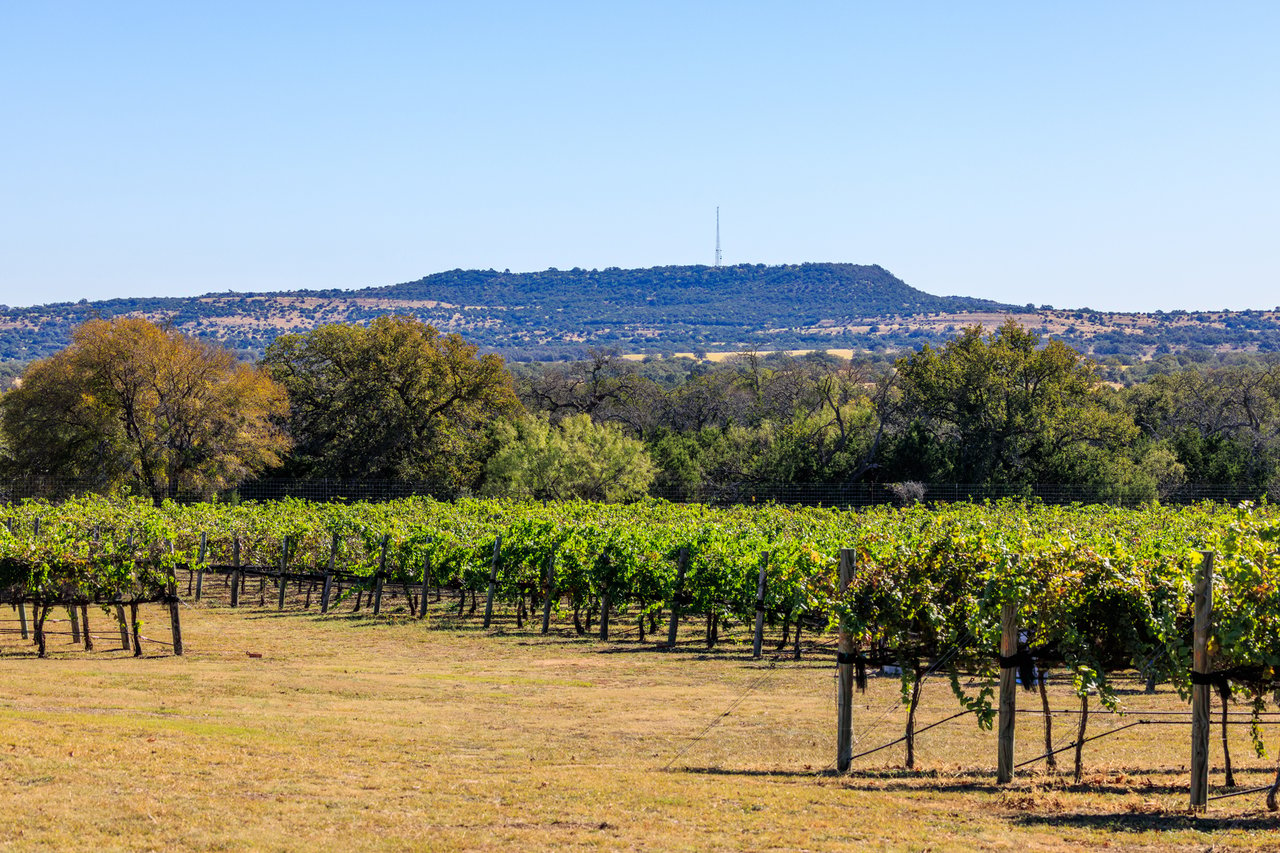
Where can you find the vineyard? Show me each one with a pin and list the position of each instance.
(1096, 593)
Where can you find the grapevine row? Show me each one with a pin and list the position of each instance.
(1097, 589)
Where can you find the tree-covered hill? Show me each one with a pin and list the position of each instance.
(745, 295)
(563, 314)
(547, 314)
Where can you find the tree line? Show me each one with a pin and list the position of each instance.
(131, 406)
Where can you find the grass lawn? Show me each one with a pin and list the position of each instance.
(362, 733)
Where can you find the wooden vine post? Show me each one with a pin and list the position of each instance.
(125, 644)
(758, 642)
(175, 617)
(328, 574)
(1200, 692)
(382, 571)
(88, 638)
(204, 552)
(235, 571)
(37, 623)
(284, 565)
(604, 612)
(171, 598)
(124, 628)
(21, 606)
(844, 664)
(170, 593)
(137, 629)
(551, 592)
(1008, 691)
(493, 580)
(682, 566)
(426, 580)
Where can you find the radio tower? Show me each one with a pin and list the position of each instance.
(717, 237)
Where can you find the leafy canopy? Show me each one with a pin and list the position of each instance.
(575, 458)
(1003, 409)
(131, 404)
(392, 400)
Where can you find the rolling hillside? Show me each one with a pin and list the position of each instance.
(556, 314)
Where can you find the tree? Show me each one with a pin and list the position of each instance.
(1005, 410)
(392, 400)
(575, 458)
(1222, 423)
(131, 403)
(834, 431)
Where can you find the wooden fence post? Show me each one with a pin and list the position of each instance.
(844, 664)
(1201, 664)
(551, 591)
(74, 618)
(493, 580)
(204, 551)
(284, 565)
(377, 580)
(235, 571)
(758, 642)
(84, 624)
(1008, 691)
(682, 565)
(328, 575)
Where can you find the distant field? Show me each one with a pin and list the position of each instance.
(718, 357)
(355, 733)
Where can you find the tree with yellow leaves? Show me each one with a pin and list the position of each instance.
(132, 404)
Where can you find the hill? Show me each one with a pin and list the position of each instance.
(746, 295)
(538, 314)
(555, 314)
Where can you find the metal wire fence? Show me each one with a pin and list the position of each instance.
(843, 495)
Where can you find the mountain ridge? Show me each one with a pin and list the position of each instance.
(553, 314)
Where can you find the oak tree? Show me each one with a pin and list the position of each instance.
(394, 400)
(1002, 409)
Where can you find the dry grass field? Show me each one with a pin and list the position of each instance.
(353, 733)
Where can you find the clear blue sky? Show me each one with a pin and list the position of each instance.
(1111, 155)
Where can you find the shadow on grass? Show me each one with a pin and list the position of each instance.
(869, 780)
(812, 657)
(111, 655)
(764, 774)
(1147, 821)
(897, 779)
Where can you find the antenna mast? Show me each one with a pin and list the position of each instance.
(717, 236)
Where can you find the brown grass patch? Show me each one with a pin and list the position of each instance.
(390, 734)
